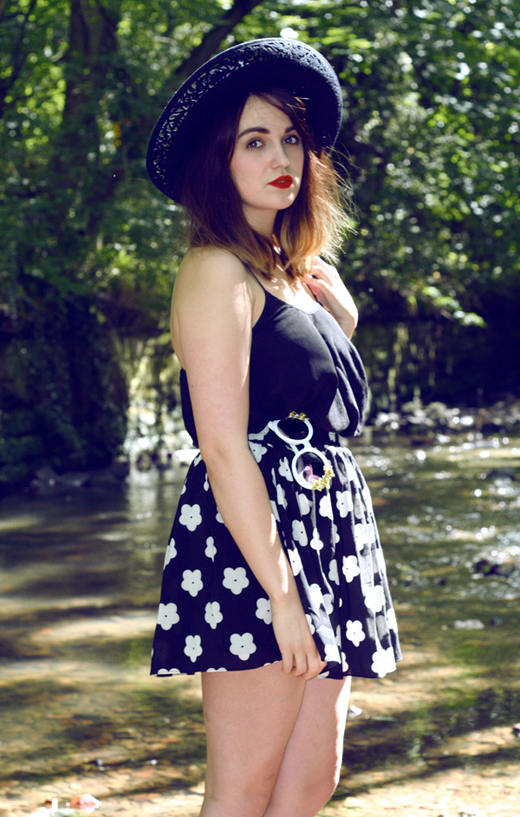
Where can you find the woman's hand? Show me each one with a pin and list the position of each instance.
(326, 285)
(300, 656)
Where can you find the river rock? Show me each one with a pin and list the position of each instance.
(498, 561)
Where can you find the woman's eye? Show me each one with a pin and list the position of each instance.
(254, 143)
(292, 140)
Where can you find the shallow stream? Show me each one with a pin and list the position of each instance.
(79, 582)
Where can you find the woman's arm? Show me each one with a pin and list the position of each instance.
(212, 320)
(326, 285)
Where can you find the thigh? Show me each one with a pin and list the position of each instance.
(312, 760)
(249, 717)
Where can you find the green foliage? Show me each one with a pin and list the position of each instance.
(430, 139)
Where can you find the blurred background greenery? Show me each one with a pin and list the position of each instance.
(89, 249)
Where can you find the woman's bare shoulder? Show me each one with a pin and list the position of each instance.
(212, 262)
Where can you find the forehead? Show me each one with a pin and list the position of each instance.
(260, 113)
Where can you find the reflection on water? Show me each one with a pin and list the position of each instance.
(79, 579)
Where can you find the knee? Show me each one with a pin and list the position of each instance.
(239, 798)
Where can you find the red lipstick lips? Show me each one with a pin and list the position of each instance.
(282, 182)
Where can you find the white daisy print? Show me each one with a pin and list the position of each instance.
(211, 550)
(213, 615)
(350, 567)
(299, 533)
(167, 616)
(220, 669)
(344, 502)
(193, 647)
(280, 496)
(219, 518)
(303, 504)
(325, 506)
(331, 653)
(284, 470)
(235, 579)
(171, 552)
(168, 672)
(206, 483)
(383, 661)
(391, 619)
(263, 610)
(312, 628)
(360, 535)
(316, 596)
(275, 510)
(190, 516)
(355, 632)
(316, 542)
(257, 450)
(374, 598)
(296, 562)
(242, 645)
(333, 571)
(192, 582)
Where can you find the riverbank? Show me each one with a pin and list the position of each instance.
(79, 576)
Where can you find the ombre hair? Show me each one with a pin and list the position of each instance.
(312, 225)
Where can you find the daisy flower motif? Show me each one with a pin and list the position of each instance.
(192, 582)
(171, 552)
(296, 562)
(206, 483)
(344, 502)
(374, 598)
(242, 645)
(220, 669)
(303, 504)
(213, 615)
(350, 567)
(312, 628)
(193, 647)
(355, 632)
(167, 616)
(360, 535)
(299, 533)
(257, 450)
(332, 653)
(263, 610)
(190, 516)
(325, 506)
(235, 579)
(211, 550)
(168, 672)
(275, 510)
(383, 661)
(219, 518)
(316, 596)
(333, 571)
(284, 469)
(280, 496)
(391, 619)
(316, 542)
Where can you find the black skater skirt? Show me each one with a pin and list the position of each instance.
(214, 616)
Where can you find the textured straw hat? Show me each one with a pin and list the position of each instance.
(250, 66)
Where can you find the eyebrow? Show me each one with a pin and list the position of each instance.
(262, 130)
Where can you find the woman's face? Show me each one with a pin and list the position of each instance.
(267, 163)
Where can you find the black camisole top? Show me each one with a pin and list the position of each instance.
(300, 361)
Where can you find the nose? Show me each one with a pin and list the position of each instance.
(279, 157)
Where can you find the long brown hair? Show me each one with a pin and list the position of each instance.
(314, 224)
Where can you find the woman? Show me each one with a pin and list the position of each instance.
(274, 585)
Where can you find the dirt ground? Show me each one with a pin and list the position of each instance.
(156, 771)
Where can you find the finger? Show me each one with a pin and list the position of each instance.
(287, 663)
(300, 665)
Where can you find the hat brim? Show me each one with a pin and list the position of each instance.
(249, 66)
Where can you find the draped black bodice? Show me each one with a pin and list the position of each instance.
(300, 361)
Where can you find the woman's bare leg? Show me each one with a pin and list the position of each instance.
(249, 718)
(312, 760)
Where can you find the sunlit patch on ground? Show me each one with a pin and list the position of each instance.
(79, 582)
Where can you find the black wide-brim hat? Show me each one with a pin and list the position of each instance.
(250, 66)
